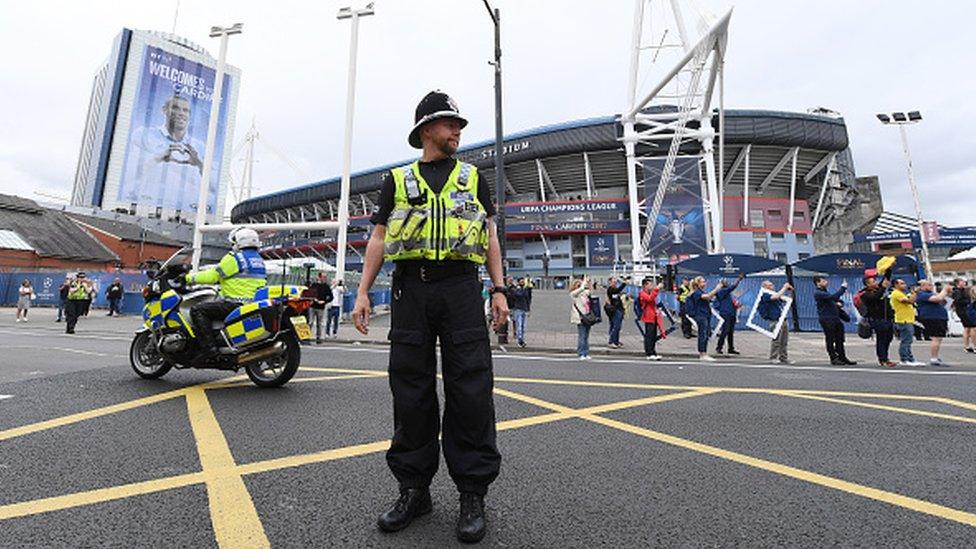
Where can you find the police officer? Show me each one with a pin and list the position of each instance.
(240, 273)
(435, 222)
(79, 292)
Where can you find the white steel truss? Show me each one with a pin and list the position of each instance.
(677, 110)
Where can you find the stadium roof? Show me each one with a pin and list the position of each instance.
(770, 132)
(891, 222)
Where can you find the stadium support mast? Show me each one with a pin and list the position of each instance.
(684, 95)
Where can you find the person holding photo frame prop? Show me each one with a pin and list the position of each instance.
(699, 309)
(772, 307)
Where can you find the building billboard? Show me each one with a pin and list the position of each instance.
(601, 249)
(167, 136)
(680, 224)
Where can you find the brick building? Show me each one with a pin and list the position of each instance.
(132, 243)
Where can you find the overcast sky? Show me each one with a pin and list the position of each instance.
(564, 60)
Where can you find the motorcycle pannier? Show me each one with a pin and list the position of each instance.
(251, 323)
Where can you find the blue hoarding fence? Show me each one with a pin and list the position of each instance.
(839, 268)
(47, 284)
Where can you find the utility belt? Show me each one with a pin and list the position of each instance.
(428, 271)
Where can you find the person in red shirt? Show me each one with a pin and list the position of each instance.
(652, 325)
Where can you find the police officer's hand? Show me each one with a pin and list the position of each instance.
(499, 311)
(360, 313)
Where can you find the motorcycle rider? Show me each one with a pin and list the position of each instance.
(240, 273)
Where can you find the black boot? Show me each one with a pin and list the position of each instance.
(471, 524)
(412, 503)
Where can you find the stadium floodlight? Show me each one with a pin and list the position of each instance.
(900, 119)
(884, 118)
(208, 154)
(342, 239)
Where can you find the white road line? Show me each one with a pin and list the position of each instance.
(62, 349)
(564, 358)
(6, 396)
(53, 333)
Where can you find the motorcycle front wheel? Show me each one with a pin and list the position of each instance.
(145, 359)
(276, 371)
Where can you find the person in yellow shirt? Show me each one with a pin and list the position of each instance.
(903, 303)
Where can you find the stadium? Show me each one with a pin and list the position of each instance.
(567, 205)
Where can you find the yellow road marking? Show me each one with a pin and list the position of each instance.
(892, 498)
(58, 503)
(884, 407)
(90, 414)
(376, 373)
(884, 496)
(235, 520)
(658, 387)
(956, 403)
(112, 409)
(119, 492)
(298, 380)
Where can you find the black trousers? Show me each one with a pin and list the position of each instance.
(884, 333)
(685, 324)
(73, 308)
(450, 311)
(833, 330)
(728, 332)
(650, 338)
(203, 314)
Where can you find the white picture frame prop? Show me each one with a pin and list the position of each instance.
(787, 302)
(718, 327)
(715, 330)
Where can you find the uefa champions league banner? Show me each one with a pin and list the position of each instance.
(680, 224)
(168, 133)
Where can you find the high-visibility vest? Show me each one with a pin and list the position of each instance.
(451, 225)
(78, 291)
(239, 274)
(685, 292)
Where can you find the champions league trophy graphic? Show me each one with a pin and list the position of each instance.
(677, 224)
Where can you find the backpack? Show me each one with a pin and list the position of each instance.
(858, 300)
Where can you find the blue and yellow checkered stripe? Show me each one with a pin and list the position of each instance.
(155, 312)
(246, 309)
(247, 329)
(277, 291)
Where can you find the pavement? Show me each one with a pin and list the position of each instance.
(548, 330)
(614, 451)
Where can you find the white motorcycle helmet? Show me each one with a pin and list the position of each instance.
(244, 238)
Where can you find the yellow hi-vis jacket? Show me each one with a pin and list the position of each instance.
(451, 225)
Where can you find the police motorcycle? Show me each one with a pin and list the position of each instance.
(262, 336)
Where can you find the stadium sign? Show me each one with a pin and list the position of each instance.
(587, 206)
(613, 226)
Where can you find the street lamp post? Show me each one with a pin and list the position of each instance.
(496, 18)
(208, 155)
(354, 15)
(902, 119)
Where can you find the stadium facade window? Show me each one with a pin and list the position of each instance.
(802, 238)
(799, 216)
(759, 245)
(803, 255)
(775, 215)
(777, 237)
(757, 219)
(781, 257)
